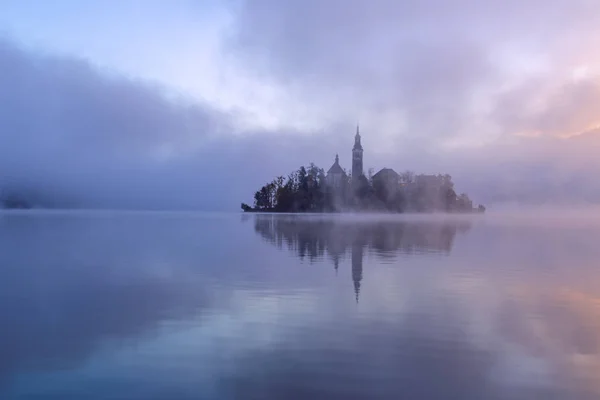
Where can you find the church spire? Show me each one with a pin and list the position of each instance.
(357, 138)
(357, 156)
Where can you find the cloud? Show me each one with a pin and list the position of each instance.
(432, 69)
(459, 87)
(75, 135)
(483, 90)
(89, 134)
(562, 109)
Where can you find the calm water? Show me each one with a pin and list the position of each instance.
(200, 306)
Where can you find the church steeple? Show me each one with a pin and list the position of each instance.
(357, 156)
(357, 144)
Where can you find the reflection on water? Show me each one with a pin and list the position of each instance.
(205, 306)
(316, 237)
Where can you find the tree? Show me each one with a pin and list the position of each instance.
(407, 177)
(464, 202)
(259, 201)
(399, 202)
(306, 190)
(362, 191)
(381, 192)
(418, 199)
(370, 174)
(314, 194)
(265, 198)
(285, 194)
(447, 181)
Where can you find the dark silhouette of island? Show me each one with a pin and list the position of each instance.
(309, 189)
(316, 238)
(13, 201)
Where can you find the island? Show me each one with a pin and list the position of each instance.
(12, 201)
(310, 189)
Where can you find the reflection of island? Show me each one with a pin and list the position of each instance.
(333, 238)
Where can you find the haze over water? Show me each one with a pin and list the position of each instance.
(102, 305)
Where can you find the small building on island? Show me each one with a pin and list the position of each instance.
(336, 176)
(388, 180)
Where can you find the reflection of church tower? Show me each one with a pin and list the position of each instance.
(357, 266)
(357, 157)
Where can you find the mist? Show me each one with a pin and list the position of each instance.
(509, 113)
(77, 136)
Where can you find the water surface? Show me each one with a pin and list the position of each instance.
(221, 306)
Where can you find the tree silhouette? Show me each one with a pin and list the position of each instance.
(306, 190)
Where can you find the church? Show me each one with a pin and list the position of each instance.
(340, 185)
(336, 175)
(339, 190)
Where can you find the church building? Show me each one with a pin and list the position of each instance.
(357, 156)
(336, 174)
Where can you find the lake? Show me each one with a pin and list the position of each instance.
(117, 305)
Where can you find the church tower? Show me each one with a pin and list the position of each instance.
(357, 266)
(357, 157)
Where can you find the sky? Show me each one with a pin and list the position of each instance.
(194, 105)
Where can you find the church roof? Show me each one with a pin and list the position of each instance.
(386, 172)
(335, 168)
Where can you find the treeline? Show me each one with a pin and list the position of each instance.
(307, 190)
(304, 190)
